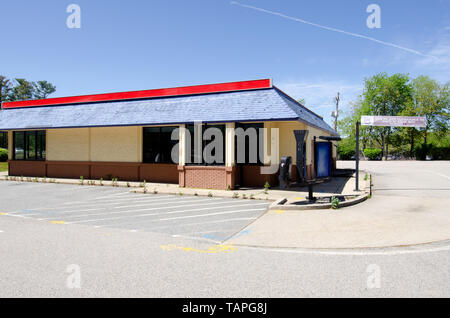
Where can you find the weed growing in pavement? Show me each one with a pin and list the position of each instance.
(335, 203)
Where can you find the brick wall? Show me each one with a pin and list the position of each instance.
(206, 177)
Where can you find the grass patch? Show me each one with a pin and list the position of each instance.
(3, 166)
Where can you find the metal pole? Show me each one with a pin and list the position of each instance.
(357, 156)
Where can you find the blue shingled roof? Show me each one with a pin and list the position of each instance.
(256, 105)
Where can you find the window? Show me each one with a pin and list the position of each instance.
(4, 140)
(249, 144)
(217, 155)
(158, 144)
(29, 145)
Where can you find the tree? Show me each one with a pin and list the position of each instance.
(432, 101)
(23, 90)
(5, 89)
(42, 89)
(386, 96)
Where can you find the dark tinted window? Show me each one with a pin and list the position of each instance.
(250, 144)
(158, 144)
(29, 145)
(220, 160)
(3, 140)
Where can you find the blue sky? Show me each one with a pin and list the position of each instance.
(143, 44)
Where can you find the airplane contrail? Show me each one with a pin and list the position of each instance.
(332, 29)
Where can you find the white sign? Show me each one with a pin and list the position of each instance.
(394, 121)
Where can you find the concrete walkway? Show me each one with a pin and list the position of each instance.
(343, 186)
(412, 210)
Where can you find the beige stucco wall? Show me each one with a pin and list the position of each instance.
(124, 144)
(68, 144)
(288, 144)
(116, 144)
(112, 144)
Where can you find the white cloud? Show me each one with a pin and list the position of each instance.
(319, 95)
(438, 68)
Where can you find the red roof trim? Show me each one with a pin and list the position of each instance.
(152, 93)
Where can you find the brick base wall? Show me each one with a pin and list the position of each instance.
(206, 177)
(250, 176)
(164, 173)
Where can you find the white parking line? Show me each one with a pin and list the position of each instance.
(112, 195)
(161, 198)
(138, 210)
(40, 212)
(191, 224)
(153, 214)
(131, 198)
(210, 214)
(438, 174)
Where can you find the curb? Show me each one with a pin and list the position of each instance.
(280, 204)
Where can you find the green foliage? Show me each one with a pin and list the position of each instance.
(3, 166)
(235, 195)
(423, 151)
(42, 89)
(440, 153)
(3, 155)
(21, 89)
(335, 203)
(433, 151)
(372, 153)
(346, 149)
(399, 95)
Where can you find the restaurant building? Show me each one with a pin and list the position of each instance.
(129, 136)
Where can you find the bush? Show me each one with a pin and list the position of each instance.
(346, 150)
(421, 152)
(440, 153)
(3, 155)
(436, 153)
(372, 153)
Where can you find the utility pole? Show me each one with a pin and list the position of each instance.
(336, 114)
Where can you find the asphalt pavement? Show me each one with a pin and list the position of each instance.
(47, 258)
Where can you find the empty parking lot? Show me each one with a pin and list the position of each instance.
(104, 207)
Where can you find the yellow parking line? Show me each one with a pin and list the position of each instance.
(57, 222)
(279, 211)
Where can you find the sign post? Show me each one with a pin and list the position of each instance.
(357, 156)
(394, 121)
(382, 121)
